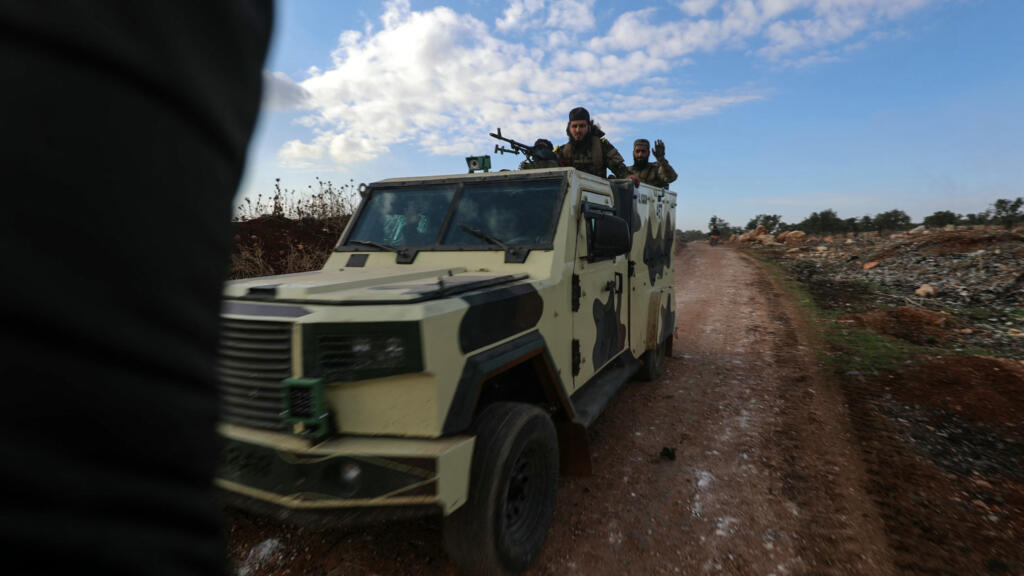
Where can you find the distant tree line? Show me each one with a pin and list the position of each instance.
(1002, 212)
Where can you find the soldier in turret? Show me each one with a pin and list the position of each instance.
(534, 162)
(658, 173)
(588, 150)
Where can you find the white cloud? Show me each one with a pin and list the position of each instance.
(298, 154)
(440, 80)
(782, 27)
(697, 7)
(655, 105)
(577, 15)
(822, 57)
(518, 14)
(557, 39)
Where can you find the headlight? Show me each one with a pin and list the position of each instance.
(393, 353)
(361, 346)
(360, 351)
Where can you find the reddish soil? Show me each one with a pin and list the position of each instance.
(980, 389)
(944, 446)
(779, 468)
(916, 325)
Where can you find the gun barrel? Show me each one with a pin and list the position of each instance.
(516, 147)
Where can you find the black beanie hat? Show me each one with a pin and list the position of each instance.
(579, 113)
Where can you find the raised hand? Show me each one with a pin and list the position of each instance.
(659, 149)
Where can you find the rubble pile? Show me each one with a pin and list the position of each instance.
(973, 274)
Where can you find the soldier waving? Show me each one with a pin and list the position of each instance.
(658, 173)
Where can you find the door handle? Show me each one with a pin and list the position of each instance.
(614, 286)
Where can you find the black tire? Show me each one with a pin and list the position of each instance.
(514, 480)
(653, 362)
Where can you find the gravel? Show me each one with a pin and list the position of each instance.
(978, 275)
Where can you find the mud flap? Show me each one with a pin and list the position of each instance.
(573, 449)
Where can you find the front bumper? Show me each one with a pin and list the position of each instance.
(282, 475)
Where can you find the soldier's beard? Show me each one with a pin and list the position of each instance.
(640, 162)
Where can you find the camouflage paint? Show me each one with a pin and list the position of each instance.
(658, 248)
(611, 332)
(498, 314)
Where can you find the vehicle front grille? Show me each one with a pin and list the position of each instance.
(254, 358)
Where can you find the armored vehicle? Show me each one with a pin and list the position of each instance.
(449, 356)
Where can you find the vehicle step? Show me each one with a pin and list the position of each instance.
(591, 400)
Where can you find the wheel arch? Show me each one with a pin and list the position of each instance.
(520, 370)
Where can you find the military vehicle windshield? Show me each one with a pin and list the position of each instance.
(449, 216)
(403, 216)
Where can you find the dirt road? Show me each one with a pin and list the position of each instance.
(766, 477)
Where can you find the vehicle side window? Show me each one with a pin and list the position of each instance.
(591, 213)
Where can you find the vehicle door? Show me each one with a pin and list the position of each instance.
(600, 286)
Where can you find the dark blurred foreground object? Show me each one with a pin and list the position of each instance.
(125, 126)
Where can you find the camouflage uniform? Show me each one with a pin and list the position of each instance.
(537, 164)
(593, 155)
(541, 157)
(658, 173)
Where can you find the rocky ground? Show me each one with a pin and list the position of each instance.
(937, 404)
(959, 289)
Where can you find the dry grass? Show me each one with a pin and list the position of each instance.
(289, 231)
(327, 201)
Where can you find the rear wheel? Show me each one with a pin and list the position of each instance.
(513, 483)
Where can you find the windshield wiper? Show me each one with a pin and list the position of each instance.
(378, 245)
(483, 235)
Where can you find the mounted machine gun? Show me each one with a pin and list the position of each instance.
(541, 151)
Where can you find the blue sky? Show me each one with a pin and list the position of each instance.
(765, 106)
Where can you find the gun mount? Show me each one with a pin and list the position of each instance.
(533, 153)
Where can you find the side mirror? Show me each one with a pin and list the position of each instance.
(610, 237)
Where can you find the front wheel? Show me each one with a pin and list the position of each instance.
(514, 480)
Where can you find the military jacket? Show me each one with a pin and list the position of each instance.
(537, 164)
(593, 156)
(658, 173)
